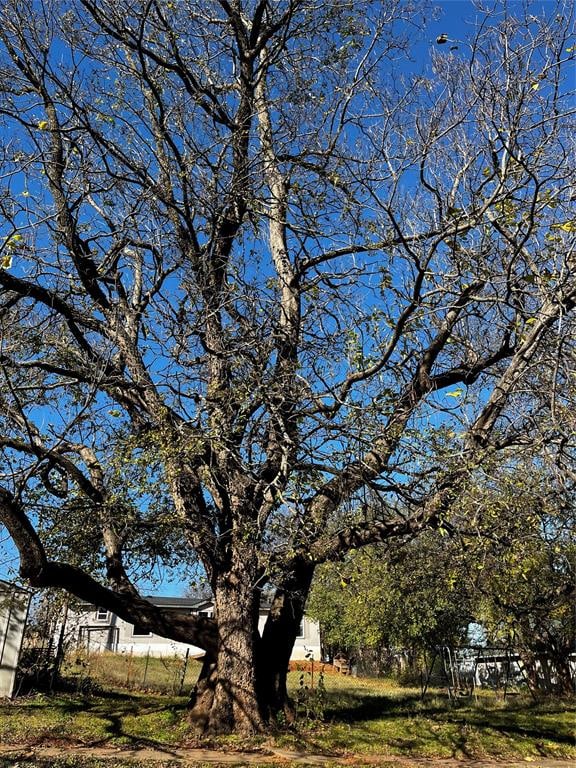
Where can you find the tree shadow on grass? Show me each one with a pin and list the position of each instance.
(455, 728)
(115, 732)
(104, 721)
(529, 732)
(354, 708)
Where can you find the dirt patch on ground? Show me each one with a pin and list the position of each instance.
(274, 757)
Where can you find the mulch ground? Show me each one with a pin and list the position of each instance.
(313, 666)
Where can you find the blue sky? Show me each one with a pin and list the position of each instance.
(455, 19)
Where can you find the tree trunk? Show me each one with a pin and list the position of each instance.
(202, 697)
(242, 688)
(278, 639)
(549, 674)
(529, 670)
(226, 698)
(276, 649)
(564, 679)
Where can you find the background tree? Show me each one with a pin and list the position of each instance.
(503, 559)
(520, 569)
(384, 602)
(250, 266)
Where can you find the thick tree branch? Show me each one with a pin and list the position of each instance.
(39, 571)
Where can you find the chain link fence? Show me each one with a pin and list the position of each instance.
(172, 674)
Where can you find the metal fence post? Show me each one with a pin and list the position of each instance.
(146, 666)
(183, 675)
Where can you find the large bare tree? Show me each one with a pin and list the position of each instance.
(255, 265)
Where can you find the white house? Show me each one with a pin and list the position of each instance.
(96, 629)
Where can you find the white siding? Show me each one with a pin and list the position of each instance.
(13, 615)
(96, 632)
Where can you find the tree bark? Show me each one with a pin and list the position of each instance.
(529, 670)
(565, 679)
(243, 688)
(226, 698)
(202, 697)
(280, 632)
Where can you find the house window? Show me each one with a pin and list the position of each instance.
(301, 628)
(202, 613)
(101, 614)
(138, 631)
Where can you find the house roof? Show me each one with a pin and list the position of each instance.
(190, 603)
(178, 602)
(195, 603)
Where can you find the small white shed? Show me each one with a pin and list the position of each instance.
(14, 605)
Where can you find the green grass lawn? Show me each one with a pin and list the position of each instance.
(376, 716)
(360, 716)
